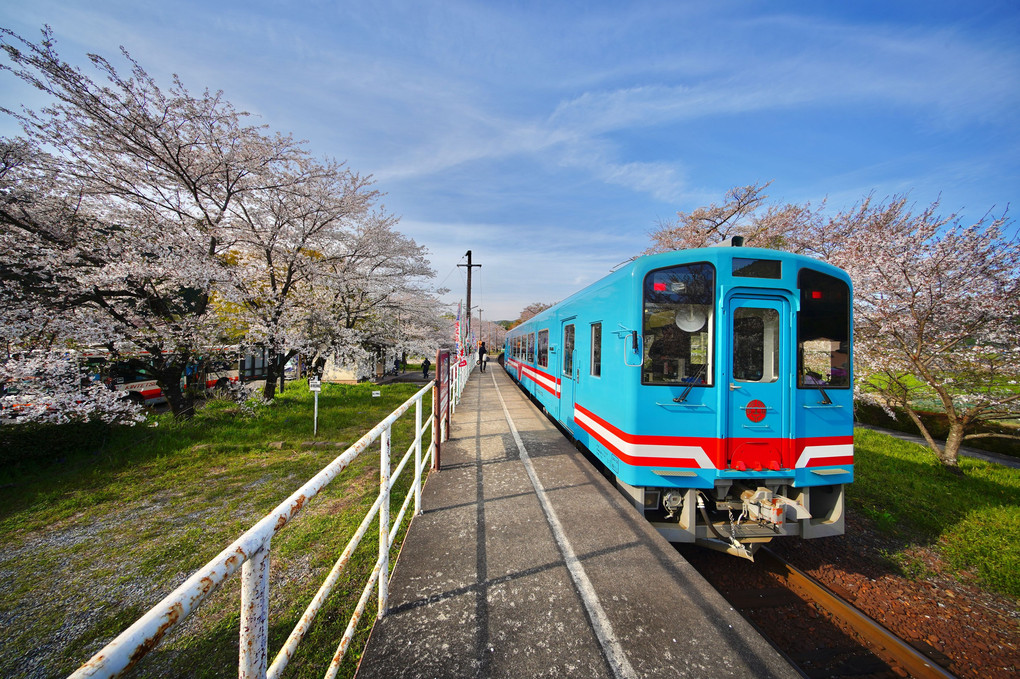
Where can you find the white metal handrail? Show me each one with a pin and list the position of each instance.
(250, 553)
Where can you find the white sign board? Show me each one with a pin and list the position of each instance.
(376, 394)
(314, 384)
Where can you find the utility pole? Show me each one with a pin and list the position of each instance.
(469, 266)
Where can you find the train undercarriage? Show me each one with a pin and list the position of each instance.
(739, 516)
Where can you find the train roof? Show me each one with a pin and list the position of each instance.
(640, 266)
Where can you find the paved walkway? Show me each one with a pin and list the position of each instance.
(526, 562)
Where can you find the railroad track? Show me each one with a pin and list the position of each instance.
(881, 641)
(823, 634)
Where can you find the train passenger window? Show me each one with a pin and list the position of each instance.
(678, 325)
(596, 349)
(755, 345)
(543, 348)
(744, 267)
(530, 351)
(568, 350)
(823, 331)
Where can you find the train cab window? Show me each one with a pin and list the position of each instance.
(678, 325)
(823, 331)
(755, 345)
(543, 348)
(596, 349)
(568, 350)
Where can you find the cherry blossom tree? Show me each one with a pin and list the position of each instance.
(937, 314)
(151, 179)
(170, 224)
(283, 241)
(531, 311)
(50, 386)
(745, 213)
(372, 293)
(936, 303)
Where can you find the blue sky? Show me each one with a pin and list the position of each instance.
(550, 137)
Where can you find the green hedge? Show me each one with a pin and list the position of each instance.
(938, 426)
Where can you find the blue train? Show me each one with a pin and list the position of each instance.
(714, 384)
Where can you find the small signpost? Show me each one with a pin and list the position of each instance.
(315, 386)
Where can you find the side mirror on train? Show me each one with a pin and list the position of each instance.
(633, 340)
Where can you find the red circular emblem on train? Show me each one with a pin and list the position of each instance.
(755, 411)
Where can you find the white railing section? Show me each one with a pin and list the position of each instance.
(250, 553)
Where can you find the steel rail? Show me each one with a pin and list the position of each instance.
(884, 643)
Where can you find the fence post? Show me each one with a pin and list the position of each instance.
(454, 388)
(417, 456)
(384, 523)
(254, 615)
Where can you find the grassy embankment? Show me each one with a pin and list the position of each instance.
(973, 519)
(90, 540)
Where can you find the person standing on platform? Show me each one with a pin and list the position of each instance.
(481, 356)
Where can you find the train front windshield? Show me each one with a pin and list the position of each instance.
(678, 325)
(823, 331)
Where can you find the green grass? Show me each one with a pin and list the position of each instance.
(93, 537)
(973, 519)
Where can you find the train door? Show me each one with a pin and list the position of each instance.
(758, 392)
(568, 372)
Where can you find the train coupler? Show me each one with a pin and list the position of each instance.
(769, 509)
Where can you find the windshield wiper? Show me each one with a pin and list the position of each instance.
(683, 397)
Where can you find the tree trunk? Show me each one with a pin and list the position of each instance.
(272, 371)
(182, 403)
(950, 455)
(276, 371)
(283, 372)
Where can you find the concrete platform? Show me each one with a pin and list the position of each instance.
(526, 562)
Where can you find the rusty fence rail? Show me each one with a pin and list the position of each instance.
(250, 553)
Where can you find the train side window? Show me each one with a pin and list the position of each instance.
(568, 349)
(596, 349)
(679, 325)
(755, 345)
(543, 348)
(823, 331)
(531, 347)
